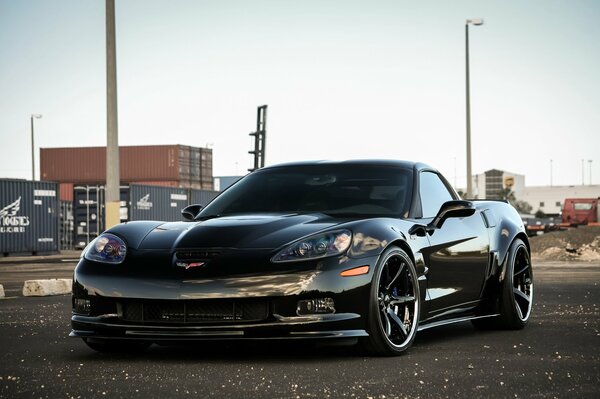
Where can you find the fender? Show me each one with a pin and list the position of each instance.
(133, 233)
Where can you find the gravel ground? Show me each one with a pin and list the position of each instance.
(556, 355)
(576, 244)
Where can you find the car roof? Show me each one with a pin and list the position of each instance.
(357, 162)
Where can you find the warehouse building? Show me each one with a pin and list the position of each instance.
(490, 184)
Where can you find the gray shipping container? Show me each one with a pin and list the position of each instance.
(29, 217)
(202, 197)
(88, 212)
(157, 203)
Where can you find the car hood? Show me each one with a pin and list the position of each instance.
(241, 231)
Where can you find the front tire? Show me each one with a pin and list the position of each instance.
(394, 305)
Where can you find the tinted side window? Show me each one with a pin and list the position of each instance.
(433, 194)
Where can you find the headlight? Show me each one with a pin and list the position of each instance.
(107, 248)
(317, 246)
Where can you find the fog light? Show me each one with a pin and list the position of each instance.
(81, 306)
(315, 306)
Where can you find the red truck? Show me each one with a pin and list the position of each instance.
(577, 211)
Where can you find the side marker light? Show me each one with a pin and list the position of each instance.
(357, 271)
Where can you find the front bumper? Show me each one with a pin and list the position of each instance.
(298, 327)
(114, 296)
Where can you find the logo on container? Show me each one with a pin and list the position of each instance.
(144, 204)
(10, 222)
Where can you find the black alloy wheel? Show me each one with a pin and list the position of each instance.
(520, 285)
(516, 291)
(394, 304)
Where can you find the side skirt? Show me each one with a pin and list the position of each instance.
(452, 321)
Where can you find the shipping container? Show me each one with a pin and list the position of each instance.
(66, 192)
(138, 202)
(202, 197)
(157, 203)
(87, 165)
(222, 182)
(165, 183)
(29, 217)
(88, 212)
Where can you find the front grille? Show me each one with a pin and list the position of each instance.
(195, 311)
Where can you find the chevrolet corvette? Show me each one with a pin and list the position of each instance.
(362, 252)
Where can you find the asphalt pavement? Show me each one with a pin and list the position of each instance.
(556, 355)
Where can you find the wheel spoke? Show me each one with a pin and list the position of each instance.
(388, 325)
(519, 310)
(520, 295)
(400, 269)
(394, 317)
(397, 300)
(521, 302)
(522, 270)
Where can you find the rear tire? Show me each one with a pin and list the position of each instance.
(394, 305)
(116, 345)
(516, 292)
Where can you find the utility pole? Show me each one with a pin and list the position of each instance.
(590, 162)
(112, 198)
(476, 22)
(260, 138)
(582, 173)
(37, 116)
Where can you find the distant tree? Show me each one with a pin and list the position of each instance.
(461, 194)
(508, 195)
(522, 207)
(540, 214)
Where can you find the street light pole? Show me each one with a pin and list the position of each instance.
(112, 199)
(590, 162)
(36, 116)
(477, 22)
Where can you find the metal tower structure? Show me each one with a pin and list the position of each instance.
(260, 138)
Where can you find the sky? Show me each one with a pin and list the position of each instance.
(342, 80)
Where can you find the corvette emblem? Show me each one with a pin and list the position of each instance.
(189, 265)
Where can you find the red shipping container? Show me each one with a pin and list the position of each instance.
(87, 165)
(66, 192)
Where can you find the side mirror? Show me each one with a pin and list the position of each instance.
(191, 211)
(452, 209)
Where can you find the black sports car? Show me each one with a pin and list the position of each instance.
(362, 251)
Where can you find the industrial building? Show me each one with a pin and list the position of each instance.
(489, 185)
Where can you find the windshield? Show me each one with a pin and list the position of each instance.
(331, 189)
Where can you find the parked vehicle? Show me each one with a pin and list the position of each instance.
(366, 252)
(578, 211)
